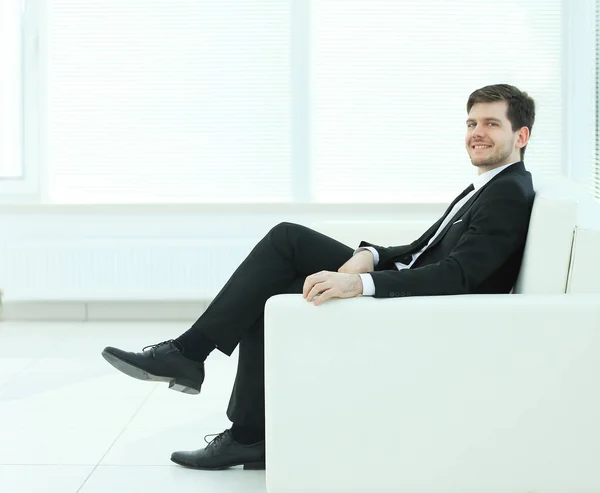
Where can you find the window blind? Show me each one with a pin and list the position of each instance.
(167, 101)
(391, 82)
(181, 101)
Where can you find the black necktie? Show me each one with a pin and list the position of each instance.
(406, 259)
(466, 191)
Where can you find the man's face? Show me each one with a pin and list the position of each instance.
(490, 139)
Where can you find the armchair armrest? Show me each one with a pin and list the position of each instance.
(473, 393)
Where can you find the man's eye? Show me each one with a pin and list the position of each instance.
(470, 125)
(493, 124)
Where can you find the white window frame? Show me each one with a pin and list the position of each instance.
(596, 161)
(26, 188)
(579, 74)
(300, 100)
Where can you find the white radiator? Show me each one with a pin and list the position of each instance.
(118, 269)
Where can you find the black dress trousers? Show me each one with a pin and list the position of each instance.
(278, 264)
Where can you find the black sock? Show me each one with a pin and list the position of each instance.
(195, 345)
(247, 435)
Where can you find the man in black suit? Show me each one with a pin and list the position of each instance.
(476, 247)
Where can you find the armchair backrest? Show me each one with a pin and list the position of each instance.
(547, 256)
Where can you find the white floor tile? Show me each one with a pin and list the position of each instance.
(73, 378)
(64, 410)
(169, 421)
(10, 367)
(165, 408)
(74, 413)
(161, 479)
(33, 339)
(55, 446)
(43, 479)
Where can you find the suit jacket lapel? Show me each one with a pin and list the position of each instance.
(456, 217)
(422, 241)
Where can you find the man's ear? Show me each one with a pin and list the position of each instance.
(523, 137)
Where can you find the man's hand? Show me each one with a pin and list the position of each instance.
(361, 263)
(331, 285)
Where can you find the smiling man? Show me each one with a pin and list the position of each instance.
(475, 247)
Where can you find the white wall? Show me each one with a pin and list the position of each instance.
(178, 252)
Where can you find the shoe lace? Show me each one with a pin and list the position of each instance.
(154, 347)
(218, 437)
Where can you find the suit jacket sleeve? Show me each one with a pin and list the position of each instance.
(497, 230)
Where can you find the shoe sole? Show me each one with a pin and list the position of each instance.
(180, 385)
(251, 466)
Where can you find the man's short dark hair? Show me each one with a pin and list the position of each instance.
(521, 107)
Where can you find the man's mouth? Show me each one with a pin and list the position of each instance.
(480, 146)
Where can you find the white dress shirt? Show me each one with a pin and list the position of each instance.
(480, 181)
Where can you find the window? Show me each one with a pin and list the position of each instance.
(391, 84)
(179, 101)
(168, 101)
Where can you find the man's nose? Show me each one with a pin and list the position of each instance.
(478, 131)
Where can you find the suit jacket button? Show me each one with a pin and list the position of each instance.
(392, 294)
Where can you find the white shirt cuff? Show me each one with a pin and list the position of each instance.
(372, 250)
(368, 284)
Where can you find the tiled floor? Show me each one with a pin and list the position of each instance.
(71, 423)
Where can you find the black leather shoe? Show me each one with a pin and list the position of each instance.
(223, 452)
(164, 362)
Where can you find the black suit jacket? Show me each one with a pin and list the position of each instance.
(480, 254)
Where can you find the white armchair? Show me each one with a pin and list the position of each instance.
(442, 394)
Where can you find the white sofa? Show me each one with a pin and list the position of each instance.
(444, 394)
